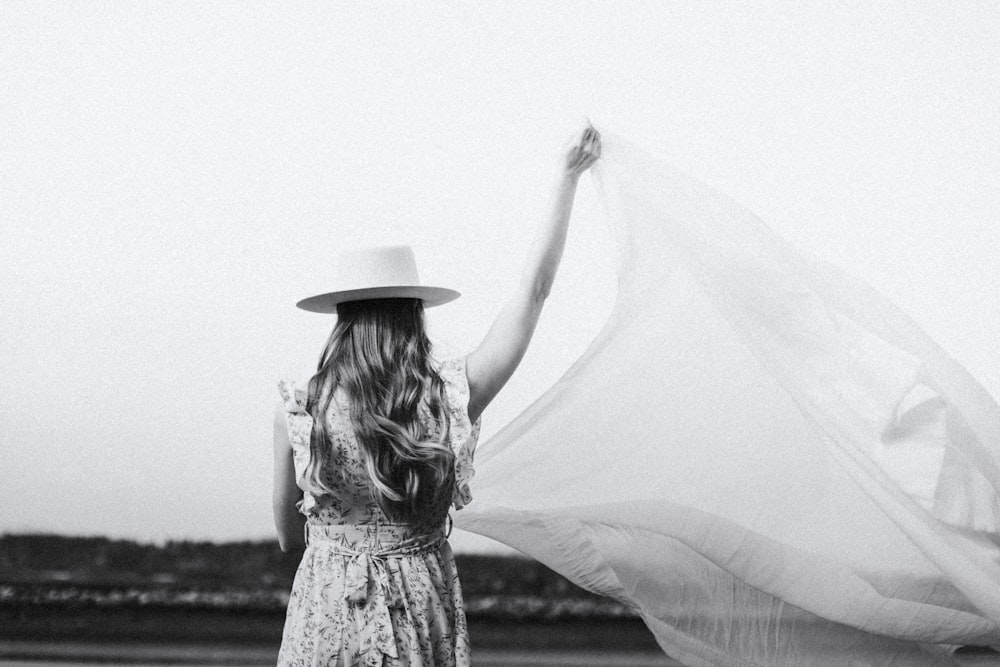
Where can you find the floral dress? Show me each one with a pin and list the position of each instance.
(370, 593)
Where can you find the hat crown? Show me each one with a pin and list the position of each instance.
(380, 272)
(380, 266)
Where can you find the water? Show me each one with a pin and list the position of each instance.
(75, 654)
(482, 659)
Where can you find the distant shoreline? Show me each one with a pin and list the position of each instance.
(77, 595)
(190, 636)
(40, 568)
(31, 654)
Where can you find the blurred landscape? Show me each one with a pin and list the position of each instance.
(93, 598)
(71, 600)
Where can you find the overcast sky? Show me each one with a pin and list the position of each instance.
(174, 176)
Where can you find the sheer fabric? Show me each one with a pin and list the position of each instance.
(765, 458)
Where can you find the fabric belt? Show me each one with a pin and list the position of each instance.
(372, 580)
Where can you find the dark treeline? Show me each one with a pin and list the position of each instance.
(54, 587)
(39, 558)
(33, 557)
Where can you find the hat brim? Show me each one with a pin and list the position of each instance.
(327, 303)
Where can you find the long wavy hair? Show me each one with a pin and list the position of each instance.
(379, 353)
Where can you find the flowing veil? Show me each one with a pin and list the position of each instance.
(767, 460)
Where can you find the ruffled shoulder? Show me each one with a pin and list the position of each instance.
(293, 396)
(299, 423)
(463, 433)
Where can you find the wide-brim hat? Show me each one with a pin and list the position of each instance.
(382, 272)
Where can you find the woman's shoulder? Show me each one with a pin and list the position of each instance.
(293, 395)
(463, 433)
(456, 381)
(452, 370)
(456, 385)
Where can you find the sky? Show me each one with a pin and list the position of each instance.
(175, 176)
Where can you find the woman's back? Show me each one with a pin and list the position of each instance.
(390, 588)
(349, 498)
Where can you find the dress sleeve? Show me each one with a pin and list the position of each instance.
(293, 397)
(299, 423)
(463, 433)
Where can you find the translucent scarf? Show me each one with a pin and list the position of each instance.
(766, 459)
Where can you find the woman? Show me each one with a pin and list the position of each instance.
(371, 454)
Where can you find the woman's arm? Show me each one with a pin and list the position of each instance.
(287, 518)
(491, 364)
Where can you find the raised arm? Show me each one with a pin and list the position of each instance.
(491, 364)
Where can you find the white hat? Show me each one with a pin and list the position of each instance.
(382, 272)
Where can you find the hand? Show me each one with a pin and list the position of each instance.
(584, 153)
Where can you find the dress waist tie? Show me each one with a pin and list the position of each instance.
(372, 579)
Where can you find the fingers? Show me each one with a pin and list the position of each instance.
(584, 152)
(589, 135)
(592, 138)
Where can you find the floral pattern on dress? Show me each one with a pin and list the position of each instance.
(370, 593)
(464, 434)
